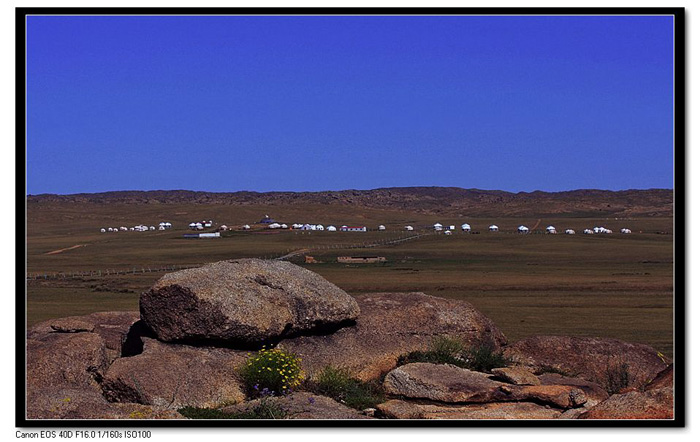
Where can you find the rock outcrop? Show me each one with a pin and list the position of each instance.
(171, 376)
(652, 404)
(245, 302)
(599, 360)
(301, 405)
(186, 346)
(399, 409)
(450, 384)
(391, 325)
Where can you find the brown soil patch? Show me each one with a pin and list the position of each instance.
(54, 252)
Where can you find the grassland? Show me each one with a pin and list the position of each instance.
(618, 286)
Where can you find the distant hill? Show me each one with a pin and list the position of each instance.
(427, 200)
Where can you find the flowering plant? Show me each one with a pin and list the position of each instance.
(271, 372)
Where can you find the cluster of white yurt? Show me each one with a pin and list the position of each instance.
(201, 225)
(551, 230)
(625, 231)
(570, 231)
(277, 226)
(523, 229)
(601, 230)
(164, 225)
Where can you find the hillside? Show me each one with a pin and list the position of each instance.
(426, 200)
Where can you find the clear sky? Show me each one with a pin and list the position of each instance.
(331, 103)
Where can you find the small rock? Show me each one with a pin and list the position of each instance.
(70, 325)
(516, 375)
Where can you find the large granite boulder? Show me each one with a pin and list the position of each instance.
(171, 376)
(601, 360)
(244, 302)
(391, 325)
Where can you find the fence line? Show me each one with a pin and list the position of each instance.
(171, 268)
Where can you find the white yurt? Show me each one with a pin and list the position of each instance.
(319, 227)
(123, 228)
(199, 226)
(437, 226)
(284, 226)
(448, 232)
(152, 228)
(168, 225)
(523, 229)
(132, 228)
(223, 227)
(409, 228)
(588, 232)
(493, 228)
(246, 227)
(331, 229)
(275, 226)
(551, 229)
(193, 226)
(382, 227)
(103, 230)
(570, 231)
(466, 227)
(161, 228)
(625, 231)
(161, 224)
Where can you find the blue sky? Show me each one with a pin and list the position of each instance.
(330, 103)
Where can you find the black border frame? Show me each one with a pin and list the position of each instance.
(680, 200)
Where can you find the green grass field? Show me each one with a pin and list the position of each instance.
(618, 286)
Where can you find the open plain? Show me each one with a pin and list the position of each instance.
(614, 286)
